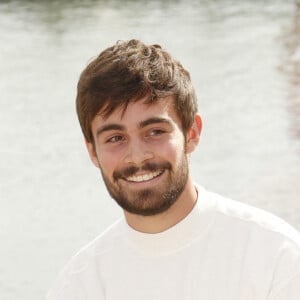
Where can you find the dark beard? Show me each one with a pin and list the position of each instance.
(151, 201)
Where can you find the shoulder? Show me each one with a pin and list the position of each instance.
(241, 216)
(270, 242)
(106, 242)
(80, 268)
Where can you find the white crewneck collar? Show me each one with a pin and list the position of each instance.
(192, 227)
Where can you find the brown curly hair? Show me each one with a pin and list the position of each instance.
(129, 71)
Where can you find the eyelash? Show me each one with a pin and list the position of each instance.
(156, 132)
(115, 139)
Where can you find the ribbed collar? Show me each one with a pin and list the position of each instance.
(192, 227)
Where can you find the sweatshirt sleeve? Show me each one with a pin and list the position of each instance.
(63, 291)
(77, 282)
(290, 290)
(286, 280)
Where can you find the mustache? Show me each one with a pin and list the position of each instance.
(132, 170)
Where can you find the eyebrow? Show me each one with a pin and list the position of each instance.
(142, 124)
(109, 127)
(154, 120)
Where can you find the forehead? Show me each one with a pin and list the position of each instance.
(139, 111)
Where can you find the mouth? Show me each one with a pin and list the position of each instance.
(144, 177)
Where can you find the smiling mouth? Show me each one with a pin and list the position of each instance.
(144, 177)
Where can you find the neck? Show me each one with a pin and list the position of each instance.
(161, 222)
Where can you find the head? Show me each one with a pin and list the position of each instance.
(128, 72)
(136, 106)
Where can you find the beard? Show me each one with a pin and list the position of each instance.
(154, 200)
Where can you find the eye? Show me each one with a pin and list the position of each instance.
(156, 132)
(115, 139)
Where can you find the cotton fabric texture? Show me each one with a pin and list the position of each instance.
(223, 250)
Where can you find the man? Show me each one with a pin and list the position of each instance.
(138, 112)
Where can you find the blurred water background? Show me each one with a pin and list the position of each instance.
(244, 59)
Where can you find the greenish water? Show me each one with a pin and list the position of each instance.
(244, 59)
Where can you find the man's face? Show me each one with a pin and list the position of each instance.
(142, 156)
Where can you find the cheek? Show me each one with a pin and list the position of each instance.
(108, 161)
(173, 150)
(104, 161)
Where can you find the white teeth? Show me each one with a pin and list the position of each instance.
(144, 177)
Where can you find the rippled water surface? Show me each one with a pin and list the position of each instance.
(244, 58)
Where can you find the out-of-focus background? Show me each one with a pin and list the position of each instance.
(244, 59)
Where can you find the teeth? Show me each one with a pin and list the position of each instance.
(144, 177)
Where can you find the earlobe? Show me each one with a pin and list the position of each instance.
(193, 135)
(92, 153)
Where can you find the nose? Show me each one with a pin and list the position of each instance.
(138, 152)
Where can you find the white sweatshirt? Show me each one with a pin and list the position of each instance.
(223, 250)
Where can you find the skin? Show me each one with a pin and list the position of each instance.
(141, 135)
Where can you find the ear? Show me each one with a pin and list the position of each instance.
(92, 153)
(193, 135)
